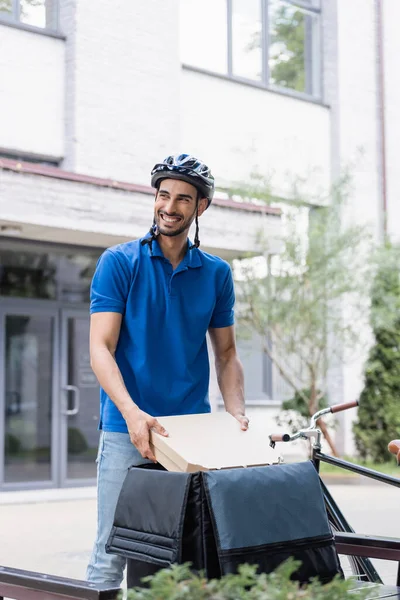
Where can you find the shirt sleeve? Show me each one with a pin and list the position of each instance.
(110, 284)
(223, 315)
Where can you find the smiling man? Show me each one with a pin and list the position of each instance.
(152, 303)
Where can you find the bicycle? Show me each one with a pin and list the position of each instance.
(359, 548)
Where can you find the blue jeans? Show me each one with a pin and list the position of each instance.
(116, 454)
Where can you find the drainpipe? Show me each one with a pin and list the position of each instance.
(380, 78)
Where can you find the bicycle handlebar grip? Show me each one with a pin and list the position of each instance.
(339, 407)
(394, 447)
(279, 437)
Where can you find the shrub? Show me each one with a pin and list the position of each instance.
(295, 413)
(76, 441)
(179, 583)
(12, 444)
(379, 411)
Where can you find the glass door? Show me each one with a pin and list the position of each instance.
(28, 338)
(79, 405)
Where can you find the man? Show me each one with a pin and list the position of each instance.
(152, 302)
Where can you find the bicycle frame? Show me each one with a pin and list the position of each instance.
(364, 565)
(366, 546)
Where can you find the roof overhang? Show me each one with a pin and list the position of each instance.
(48, 204)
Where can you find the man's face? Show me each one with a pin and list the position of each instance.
(175, 206)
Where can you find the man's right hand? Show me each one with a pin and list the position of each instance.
(139, 424)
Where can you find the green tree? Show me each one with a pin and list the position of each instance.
(295, 413)
(5, 6)
(379, 413)
(287, 44)
(287, 48)
(308, 305)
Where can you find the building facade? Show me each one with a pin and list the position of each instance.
(91, 97)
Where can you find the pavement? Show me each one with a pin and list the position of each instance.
(52, 531)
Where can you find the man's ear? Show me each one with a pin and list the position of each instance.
(203, 204)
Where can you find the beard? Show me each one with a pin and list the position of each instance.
(173, 229)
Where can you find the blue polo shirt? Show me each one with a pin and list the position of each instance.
(162, 350)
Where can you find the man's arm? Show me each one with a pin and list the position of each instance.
(104, 333)
(229, 372)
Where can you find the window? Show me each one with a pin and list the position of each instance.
(38, 13)
(293, 47)
(246, 39)
(204, 34)
(46, 271)
(273, 43)
(5, 7)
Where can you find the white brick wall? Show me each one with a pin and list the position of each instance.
(125, 63)
(356, 141)
(133, 105)
(237, 128)
(358, 128)
(31, 92)
(391, 20)
(128, 104)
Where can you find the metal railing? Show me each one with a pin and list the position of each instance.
(27, 585)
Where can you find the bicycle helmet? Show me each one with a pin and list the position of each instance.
(187, 168)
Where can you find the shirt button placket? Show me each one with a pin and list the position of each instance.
(170, 288)
(170, 275)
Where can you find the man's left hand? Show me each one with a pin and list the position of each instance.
(244, 422)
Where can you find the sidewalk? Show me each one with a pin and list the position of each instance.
(48, 495)
(52, 531)
(49, 531)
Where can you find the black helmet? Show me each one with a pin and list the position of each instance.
(187, 168)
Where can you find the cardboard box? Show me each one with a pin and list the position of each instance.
(211, 441)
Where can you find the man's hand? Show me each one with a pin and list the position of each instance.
(243, 420)
(139, 424)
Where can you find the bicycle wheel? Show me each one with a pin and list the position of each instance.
(351, 566)
(357, 567)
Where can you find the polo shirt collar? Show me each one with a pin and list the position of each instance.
(191, 260)
(193, 257)
(155, 250)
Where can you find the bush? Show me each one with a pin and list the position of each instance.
(12, 444)
(295, 413)
(379, 410)
(76, 441)
(179, 583)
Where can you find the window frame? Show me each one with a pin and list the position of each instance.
(13, 19)
(313, 8)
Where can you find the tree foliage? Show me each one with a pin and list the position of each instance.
(179, 583)
(309, 304)
(5, 6)
(287, 43)
(295, 413)
(287, 55)
(379, 411)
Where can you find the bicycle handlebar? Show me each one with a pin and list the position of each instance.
(339, 407)
(280, 437)
(312, 431)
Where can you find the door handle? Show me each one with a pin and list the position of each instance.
(72, 411)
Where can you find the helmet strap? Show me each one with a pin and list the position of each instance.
(196, 236)
(154, 231)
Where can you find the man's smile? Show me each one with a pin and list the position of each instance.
(168, 219)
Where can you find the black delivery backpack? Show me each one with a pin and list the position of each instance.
(219, 519)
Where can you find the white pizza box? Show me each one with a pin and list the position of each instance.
(211, 441)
